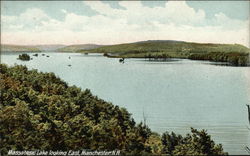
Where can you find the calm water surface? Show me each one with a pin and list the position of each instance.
(173, 95)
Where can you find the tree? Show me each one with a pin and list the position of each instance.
(170, 141)
(198, 143)
(24, 57)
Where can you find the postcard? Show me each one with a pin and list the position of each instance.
(125, 78)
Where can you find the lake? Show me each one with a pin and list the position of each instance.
(171, 96)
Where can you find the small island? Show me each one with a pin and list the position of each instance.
(24, 57)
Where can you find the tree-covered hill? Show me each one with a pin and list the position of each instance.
(49, 47)
(18, 48)
(234, 54)
(39, 111)
(78, 47)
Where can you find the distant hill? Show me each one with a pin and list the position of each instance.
(158, 41)
(169, 46)
(78, 47)
(49, 47)
(161, 49)
(18, 48)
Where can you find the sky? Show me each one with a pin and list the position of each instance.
(114, 22)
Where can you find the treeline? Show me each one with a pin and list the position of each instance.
(235, 54)
(157, 56)
(234, 58)
(39, 111)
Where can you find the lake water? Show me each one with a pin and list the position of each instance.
(171, 96)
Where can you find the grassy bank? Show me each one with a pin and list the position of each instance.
(40, 111)
(234, 54)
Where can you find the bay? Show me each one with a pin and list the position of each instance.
(170, 96)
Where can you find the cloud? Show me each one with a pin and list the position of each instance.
(175, 20)
(64, 11)
(227, 23)
(173, 11)
(34, 14)
(29, 19)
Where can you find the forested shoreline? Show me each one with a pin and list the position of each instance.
(40, 111)
(233, 54)
(154, 50)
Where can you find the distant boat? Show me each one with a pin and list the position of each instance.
(121, 60)
(69, 65)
